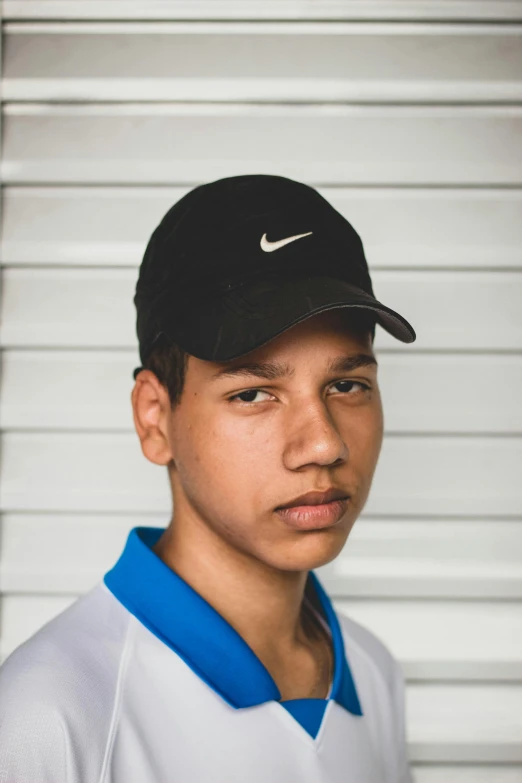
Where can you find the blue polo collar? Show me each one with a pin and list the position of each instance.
(174, 612)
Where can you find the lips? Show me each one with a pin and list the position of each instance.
(317, 498)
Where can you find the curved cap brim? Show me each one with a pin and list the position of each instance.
(238, 321)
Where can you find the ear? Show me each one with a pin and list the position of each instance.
(151, 408)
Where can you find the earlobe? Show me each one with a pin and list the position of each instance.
(150, 408)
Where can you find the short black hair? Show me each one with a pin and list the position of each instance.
(169, 362)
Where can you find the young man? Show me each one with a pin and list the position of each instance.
(211, 652)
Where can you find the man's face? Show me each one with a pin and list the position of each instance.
(301, 414)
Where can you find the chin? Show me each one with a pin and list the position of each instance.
(311, 550)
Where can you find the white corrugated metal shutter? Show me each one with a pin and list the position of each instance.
(407, 115)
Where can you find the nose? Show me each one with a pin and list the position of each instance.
(313, 438)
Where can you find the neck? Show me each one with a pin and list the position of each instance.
(263, 604)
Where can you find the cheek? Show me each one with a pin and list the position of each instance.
(363, 436)
(229, 456)
(243, 438)
(368, 442)
(224, 474)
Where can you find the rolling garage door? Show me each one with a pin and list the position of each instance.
(408, 117)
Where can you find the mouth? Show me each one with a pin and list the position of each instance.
(315, 510)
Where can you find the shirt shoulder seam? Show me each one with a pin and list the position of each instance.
(65, 752)
(122, 670)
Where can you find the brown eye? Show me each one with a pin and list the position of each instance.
(351, 387)
(249, 395)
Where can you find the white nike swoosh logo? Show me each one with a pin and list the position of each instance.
(269, 247)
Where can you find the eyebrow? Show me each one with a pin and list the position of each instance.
(274, 370)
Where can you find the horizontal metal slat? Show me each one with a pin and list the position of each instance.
(276, 63)
(428, 557)
(191, 143)
(501, 10)
(107, 472)
(446, 640)
(467, 773)
(400, 227)
(23, 615)
(465, 723)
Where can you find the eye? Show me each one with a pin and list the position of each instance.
(352, 387)
(249, 396)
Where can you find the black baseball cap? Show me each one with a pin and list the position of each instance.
(237, 261)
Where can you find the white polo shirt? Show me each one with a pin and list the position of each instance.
(142, 681)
